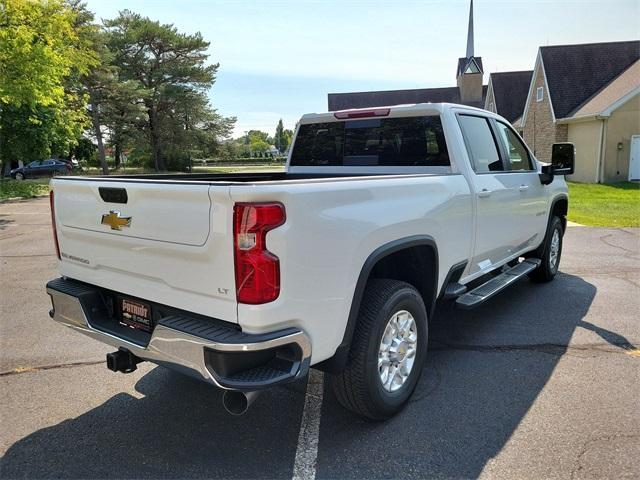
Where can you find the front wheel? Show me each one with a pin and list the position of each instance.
(19, 176)
(387, 351)
(550, 253)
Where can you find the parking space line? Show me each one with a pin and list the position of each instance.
(304, 467)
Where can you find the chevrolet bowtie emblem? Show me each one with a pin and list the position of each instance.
(115, 221)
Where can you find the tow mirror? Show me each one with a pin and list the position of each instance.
(563, 157)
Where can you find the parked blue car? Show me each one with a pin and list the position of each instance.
(41, 168)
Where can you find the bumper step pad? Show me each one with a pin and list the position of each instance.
(208, 348)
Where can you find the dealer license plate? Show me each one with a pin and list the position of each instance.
(136, 314)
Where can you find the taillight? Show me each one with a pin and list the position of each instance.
(257, 269)
(53, 224)
(377, 112)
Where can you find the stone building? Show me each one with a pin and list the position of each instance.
(588, 94)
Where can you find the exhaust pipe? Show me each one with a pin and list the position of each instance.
(122, 361)
(237, 403)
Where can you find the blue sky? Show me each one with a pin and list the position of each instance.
(279, 59)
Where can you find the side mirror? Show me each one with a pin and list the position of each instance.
(563, 157)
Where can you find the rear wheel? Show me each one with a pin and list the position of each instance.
(551, 253)
(387, 352)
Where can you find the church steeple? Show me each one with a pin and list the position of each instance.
(469, 73)
(470, 32)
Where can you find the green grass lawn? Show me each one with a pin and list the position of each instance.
(23, 189)
(598, 205)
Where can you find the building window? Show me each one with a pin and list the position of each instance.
(539, 94)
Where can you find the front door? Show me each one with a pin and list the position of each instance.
(634, 158)
(522, 176)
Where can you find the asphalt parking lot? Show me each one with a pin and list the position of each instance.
(542, 382)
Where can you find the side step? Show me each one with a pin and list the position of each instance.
(484, 292)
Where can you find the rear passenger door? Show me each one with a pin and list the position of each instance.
(521, 174)
(498, 229)
(48, 168)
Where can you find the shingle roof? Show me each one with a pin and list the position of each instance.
(622, 86)
(510, 90)
(344, 101)
(576, 72)
(463, 62)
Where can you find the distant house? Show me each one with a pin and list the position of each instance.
(590, 95)
(586, 94)
(507, 95)
(273, 151)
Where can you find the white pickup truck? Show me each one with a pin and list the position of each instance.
(247, 280)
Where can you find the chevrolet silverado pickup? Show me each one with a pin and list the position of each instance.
(246, 281)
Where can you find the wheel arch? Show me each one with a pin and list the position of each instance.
(559, 207)
(422, 253)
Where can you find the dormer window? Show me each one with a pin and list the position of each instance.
(472, 68)
(539, 94)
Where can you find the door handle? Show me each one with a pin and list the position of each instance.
(484, 193)
(523, 188)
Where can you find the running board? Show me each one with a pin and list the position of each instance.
(484, 292)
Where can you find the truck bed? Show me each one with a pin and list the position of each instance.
(226, 178)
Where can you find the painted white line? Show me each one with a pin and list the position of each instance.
(304, 467)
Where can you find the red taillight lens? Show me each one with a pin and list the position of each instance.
(53, 224)
(257, 269)
(378, 112)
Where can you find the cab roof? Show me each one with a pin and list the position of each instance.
(384, 112)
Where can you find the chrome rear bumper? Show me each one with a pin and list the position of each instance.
(223, 356)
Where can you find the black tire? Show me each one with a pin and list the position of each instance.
(548, 268)
(20, 176)
(359, 387)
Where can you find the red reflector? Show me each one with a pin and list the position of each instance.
(378, 112)
(53, 224)
(257, 269)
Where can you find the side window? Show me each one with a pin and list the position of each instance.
(518, 155)
(480, 144)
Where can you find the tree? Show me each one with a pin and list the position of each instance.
(116, 107)
(253, 143)
(41, 110)
(282, 138)
(84, 151)
(278, 137)
(170, 68)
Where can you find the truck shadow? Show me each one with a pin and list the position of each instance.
(179, 429)
(484, 371)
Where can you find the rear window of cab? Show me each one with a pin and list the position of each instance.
(408, 141)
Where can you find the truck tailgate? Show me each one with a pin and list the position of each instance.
(169, 242)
